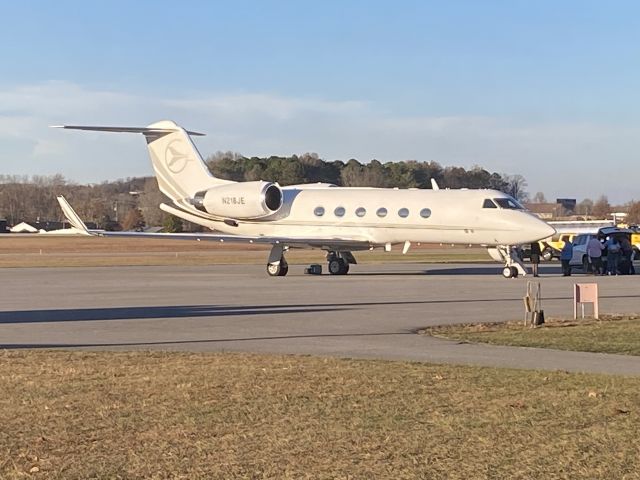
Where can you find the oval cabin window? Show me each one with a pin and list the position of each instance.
(319, 211)
(361, 212)
(382, 212)
(403, 212)
(339, 212)
(425, 212)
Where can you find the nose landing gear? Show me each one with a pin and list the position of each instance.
(513, 265)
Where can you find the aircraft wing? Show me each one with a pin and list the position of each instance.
(294, 242)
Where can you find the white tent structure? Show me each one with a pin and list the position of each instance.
(23, 227)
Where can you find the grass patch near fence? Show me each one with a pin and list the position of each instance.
(186, 415)
(611, 334)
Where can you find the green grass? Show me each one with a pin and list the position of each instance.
(612, 334)
(185, 415)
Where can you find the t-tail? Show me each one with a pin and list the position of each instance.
(179, 167)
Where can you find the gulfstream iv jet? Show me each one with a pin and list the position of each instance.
(338, 220)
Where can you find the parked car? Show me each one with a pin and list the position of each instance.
(580, 257)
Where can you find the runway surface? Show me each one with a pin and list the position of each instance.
(373, 312)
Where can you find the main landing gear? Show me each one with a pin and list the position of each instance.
(277, 266)
(338, 262)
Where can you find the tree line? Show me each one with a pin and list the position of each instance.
(133, 202)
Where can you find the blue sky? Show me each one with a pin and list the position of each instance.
(545, 89)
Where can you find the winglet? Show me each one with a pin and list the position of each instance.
(72, 216)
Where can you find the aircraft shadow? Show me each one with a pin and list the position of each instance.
(488, 270)
(182, 311)
(137, 313)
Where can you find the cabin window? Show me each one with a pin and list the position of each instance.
(339, 212)
(403, 212)
(425, 212)
(508, 203)
(319, 211)
(382, 212)
(488, 203)
(361, 211)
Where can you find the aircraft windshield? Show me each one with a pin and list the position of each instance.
(508, 203)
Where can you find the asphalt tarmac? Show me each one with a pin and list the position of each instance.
(374, 312)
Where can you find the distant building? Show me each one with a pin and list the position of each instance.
(568, 206)
(545, 211)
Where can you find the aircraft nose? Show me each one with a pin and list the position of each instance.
(543, 230)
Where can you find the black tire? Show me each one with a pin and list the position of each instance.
(547, 255)
(507, 272)
(274, 270)
(514, 272)
(279, 270)
(337, 266)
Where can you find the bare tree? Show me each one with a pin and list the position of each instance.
(133, 220)
(633, 213)
(539, 198)
(585, 207)
(602, 208)
(515, 186)
(149, 202)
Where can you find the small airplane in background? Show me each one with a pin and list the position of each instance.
(339, 220)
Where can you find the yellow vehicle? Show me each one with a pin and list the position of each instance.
(566, 230)
(551, 247)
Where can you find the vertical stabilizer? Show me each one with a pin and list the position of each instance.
(179, 168)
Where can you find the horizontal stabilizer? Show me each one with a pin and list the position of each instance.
(143, 130)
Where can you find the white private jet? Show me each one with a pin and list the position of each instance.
(338, 220)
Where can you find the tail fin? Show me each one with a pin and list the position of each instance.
(180, 170)
(71, 215)
(179, 167)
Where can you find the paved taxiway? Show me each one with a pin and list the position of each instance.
(371, 313)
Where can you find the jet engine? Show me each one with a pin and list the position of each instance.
(243, 200)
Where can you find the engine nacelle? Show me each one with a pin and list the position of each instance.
(243, 200)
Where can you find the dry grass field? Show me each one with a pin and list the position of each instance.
(76, 251)
(611, 334)
(226, 416)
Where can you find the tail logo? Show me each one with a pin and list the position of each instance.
(175, 158)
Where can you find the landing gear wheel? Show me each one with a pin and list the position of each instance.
(278, 269)
(338, 266)
(509, 272)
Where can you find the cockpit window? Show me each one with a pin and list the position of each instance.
(488, 203)
(508, 203)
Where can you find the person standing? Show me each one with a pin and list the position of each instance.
(565, 258)
(535, 257)
(627, 255)
(613, 255)
(594, 250)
